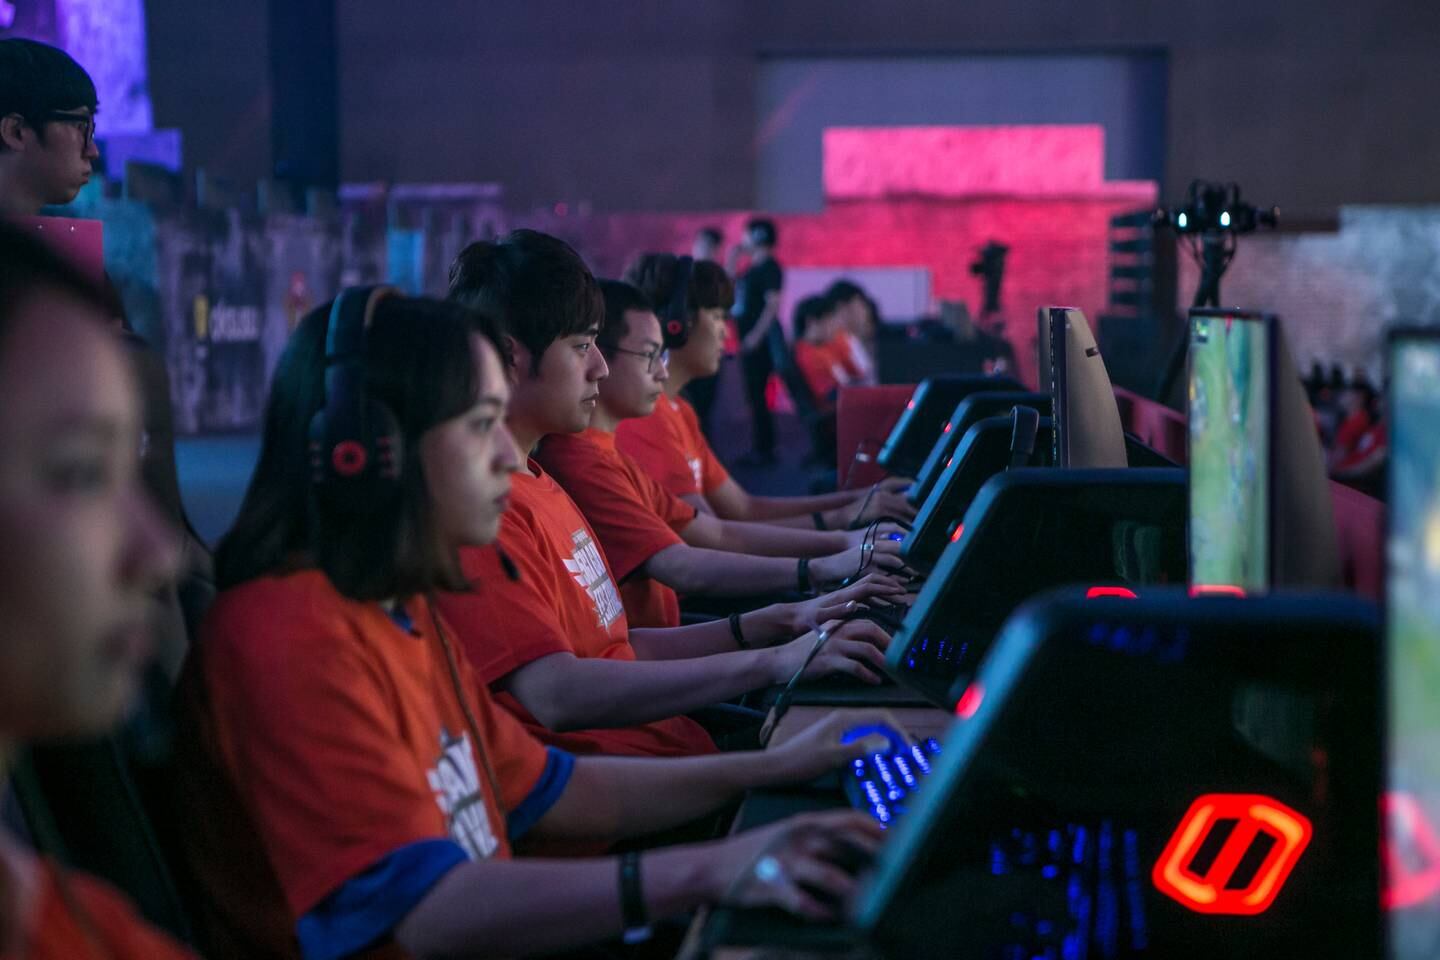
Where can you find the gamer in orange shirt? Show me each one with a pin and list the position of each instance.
(84, 551)
(359, 790)
(670, 446)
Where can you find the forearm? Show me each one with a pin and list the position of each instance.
(506, 908)
(769, 540)
(612, 797)
(798, 511)
(759, 628)
(572, 693)
(718, 573)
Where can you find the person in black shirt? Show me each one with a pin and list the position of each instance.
(757, 305)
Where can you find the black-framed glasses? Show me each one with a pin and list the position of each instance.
(657, 356)
(84, 122)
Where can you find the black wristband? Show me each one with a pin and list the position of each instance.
(802, 575)
(737, 633)
(632, 899)
(819, 519)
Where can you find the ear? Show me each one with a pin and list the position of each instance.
(12, 131)
(519, 359)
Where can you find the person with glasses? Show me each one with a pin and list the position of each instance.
(47, 127)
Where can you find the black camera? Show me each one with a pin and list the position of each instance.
(1216, 208)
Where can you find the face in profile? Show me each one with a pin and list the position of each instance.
(562, 396)
(468, 459)
(84, 547)
(638, 370)
(705, 348)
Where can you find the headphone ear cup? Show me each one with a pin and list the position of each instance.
(355, 461)
(676, 333)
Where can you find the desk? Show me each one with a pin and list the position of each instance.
(918, 722)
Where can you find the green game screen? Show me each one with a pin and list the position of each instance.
(1413, 650)
(1229, 461)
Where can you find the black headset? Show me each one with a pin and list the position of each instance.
(356, 448)
(676, 321)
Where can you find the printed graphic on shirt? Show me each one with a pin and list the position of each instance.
(697, 471)
(455, 781)
(588, 569)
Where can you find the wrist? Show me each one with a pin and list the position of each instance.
(681, 879)
(775, 665)
(840, 518)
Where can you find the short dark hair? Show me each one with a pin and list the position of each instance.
(843, 291)
(711, 234)
(654, 275)
(419, 362)
(37, 79)
(809, 310)
(619, 297)
(534, 285)
(765, 227)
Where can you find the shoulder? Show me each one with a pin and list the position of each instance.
(275, 619)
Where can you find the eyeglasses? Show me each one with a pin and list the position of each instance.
(84, 122)
(659, 356)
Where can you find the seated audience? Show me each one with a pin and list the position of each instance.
(855, 336)
(47, 127)
(825, 369)
(670, 445)
(84, 551)
(348, 788)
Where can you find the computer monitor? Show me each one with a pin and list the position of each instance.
(968, 412)
(1030, 530)
(1260, 509)
(1160, 777)
(925, 416)
(983, 452)
(1412, 885)
(1087, 421)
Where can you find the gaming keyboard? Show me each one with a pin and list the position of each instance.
(938, 655)
(881, 783)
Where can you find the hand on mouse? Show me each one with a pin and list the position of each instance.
(803, 865)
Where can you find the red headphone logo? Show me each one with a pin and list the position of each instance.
(1206, 888)
(674, 327)
(348, 458)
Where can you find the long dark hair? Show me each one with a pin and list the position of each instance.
(419, 362)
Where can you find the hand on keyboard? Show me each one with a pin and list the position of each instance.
(821, 747)
(855, 647)
(871, 589)
(881, 783)
(805, 865)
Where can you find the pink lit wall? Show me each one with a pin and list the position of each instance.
(914, 203)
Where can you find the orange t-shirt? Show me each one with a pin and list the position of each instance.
(319, 736)
(563, 602)
(818, 363)
(49, 928)
(672, 448)
(634, 517)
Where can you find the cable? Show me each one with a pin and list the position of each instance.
(782, 702)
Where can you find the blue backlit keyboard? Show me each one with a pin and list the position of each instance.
(882, 783)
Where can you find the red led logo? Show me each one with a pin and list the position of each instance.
(1411, 854)
(1206, 888)
(959, 532)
